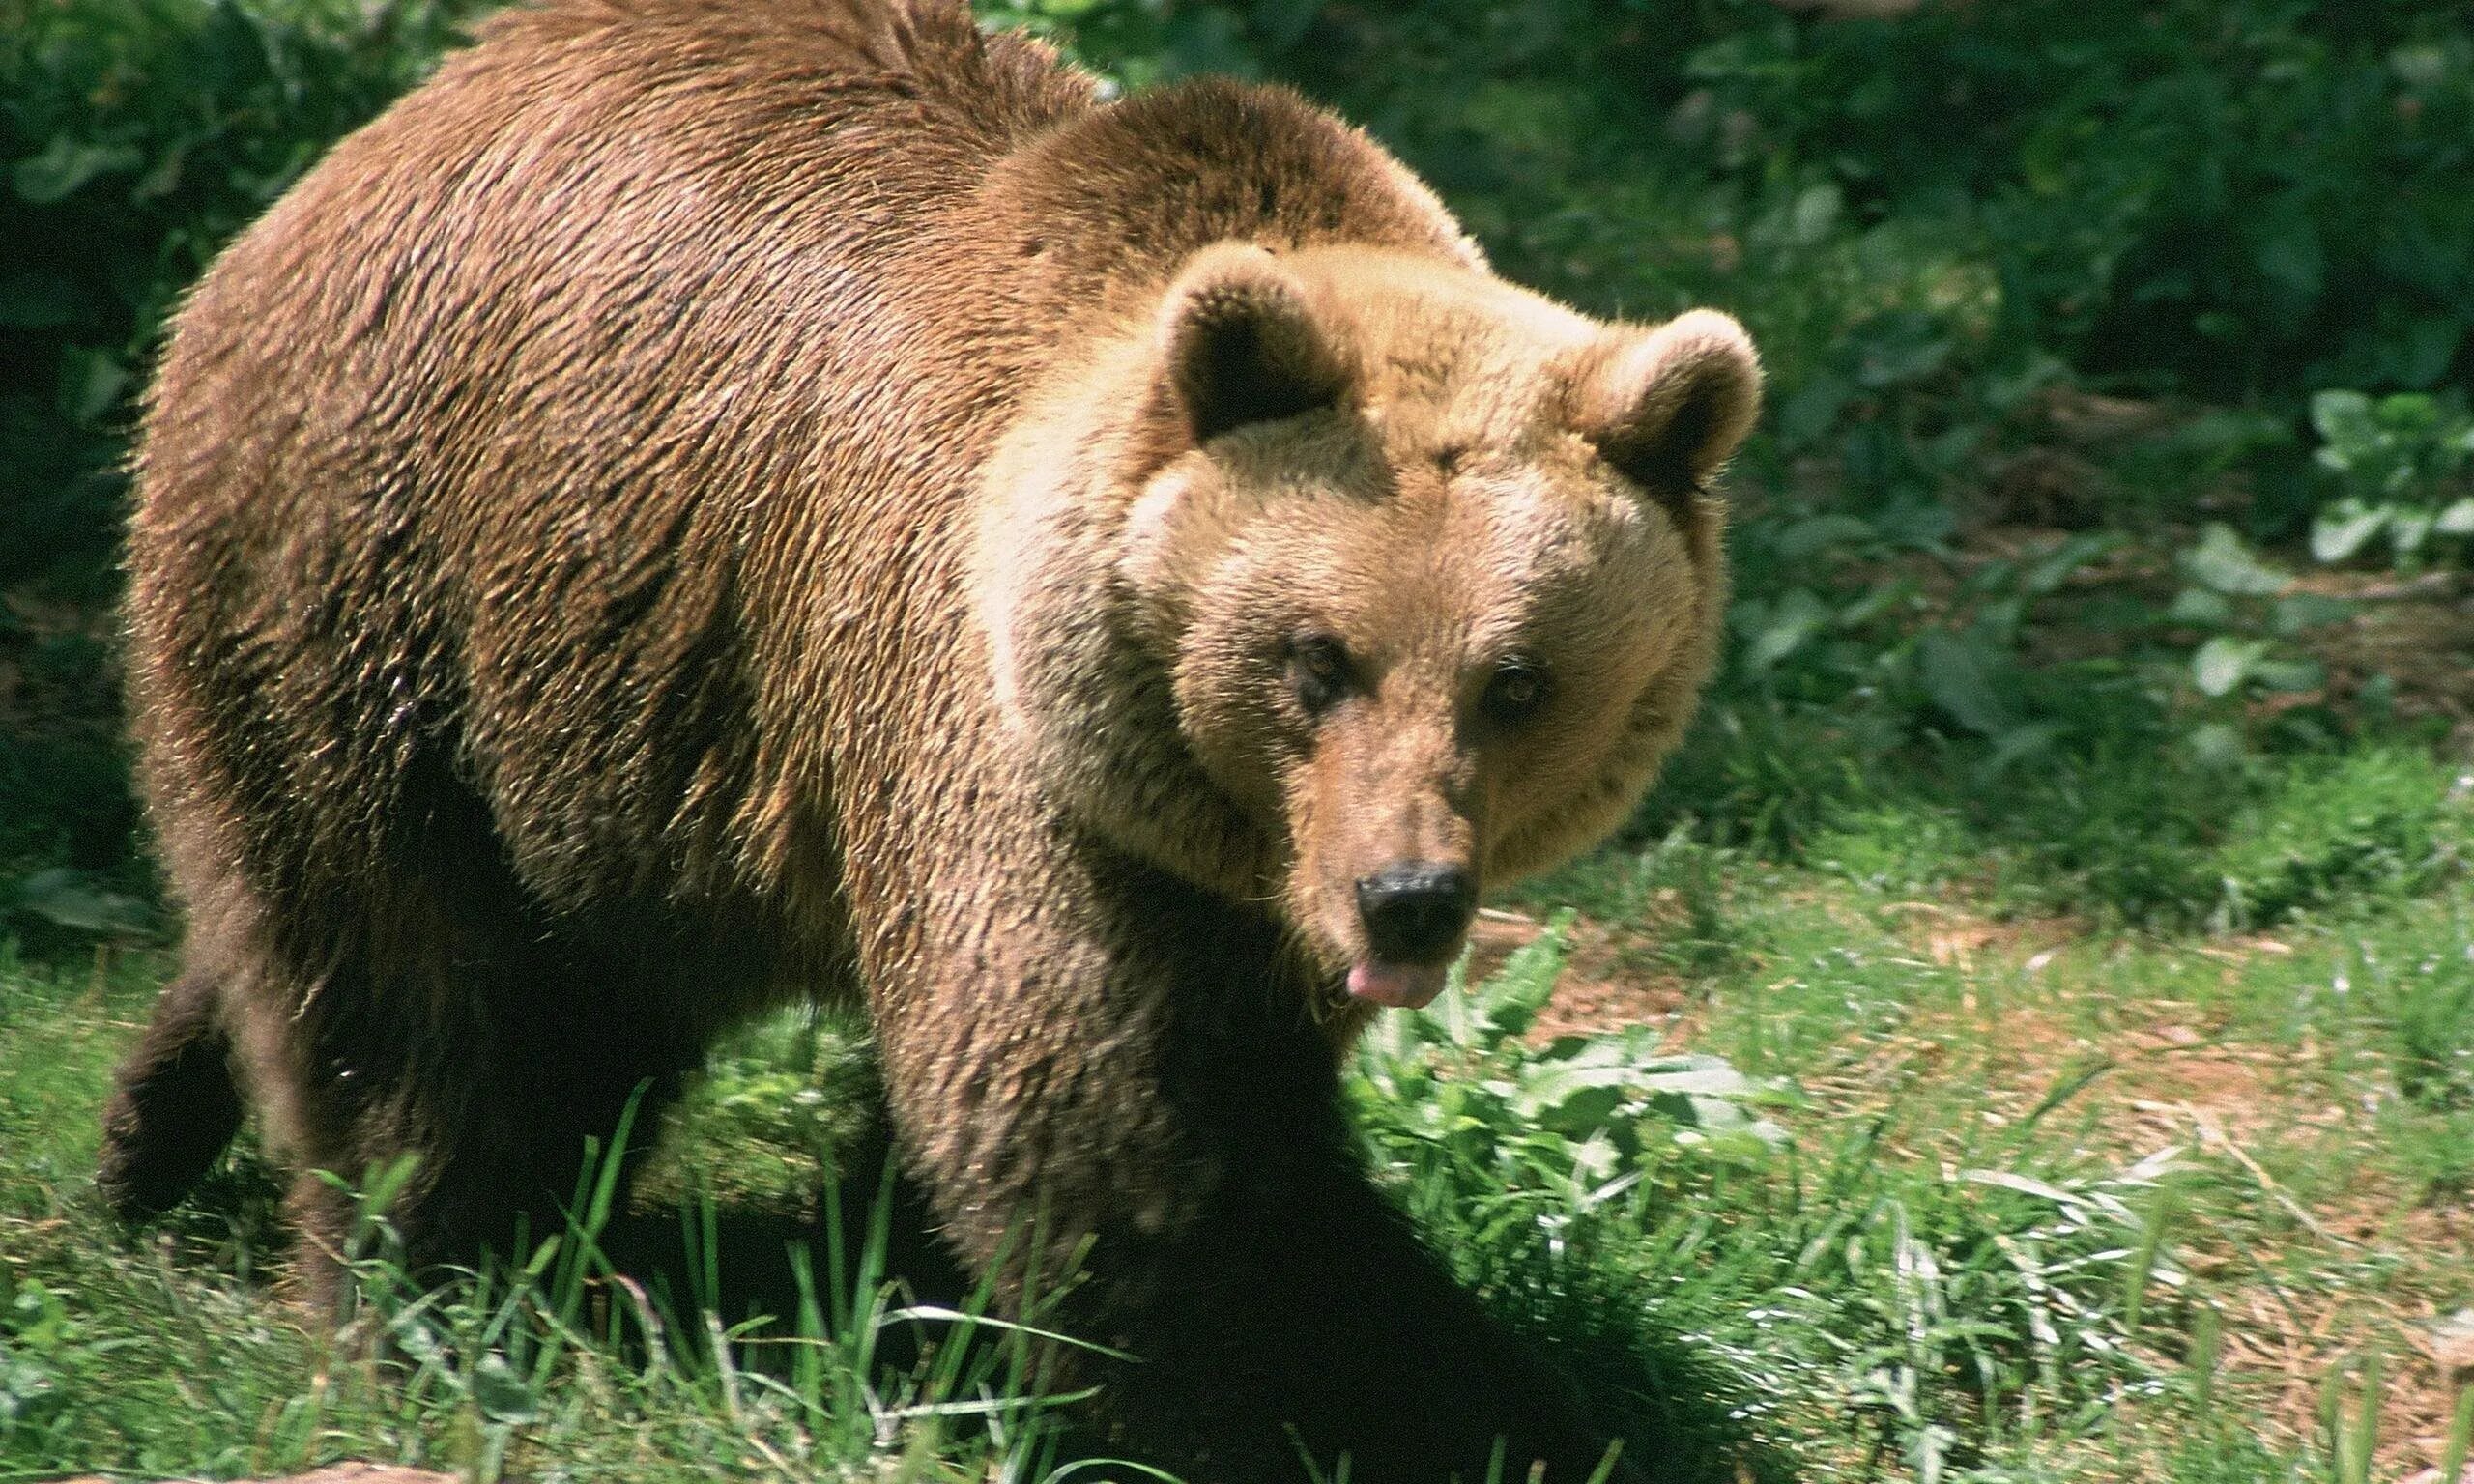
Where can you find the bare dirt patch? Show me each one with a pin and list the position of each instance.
(1605, 984)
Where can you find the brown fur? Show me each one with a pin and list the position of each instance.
(704, 505)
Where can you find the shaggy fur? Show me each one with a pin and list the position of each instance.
(706, 504)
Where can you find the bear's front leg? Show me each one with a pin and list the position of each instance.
(1128, 1059)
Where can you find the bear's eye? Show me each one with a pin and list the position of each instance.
(1319, 671)
(1513, 693)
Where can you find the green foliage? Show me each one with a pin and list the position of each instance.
(1455, 1085)
(136, 138)
(2140, 828)
(2435, 1035)
(1921, 1302)
(1136, 43)
(2249, 612)
(763, 1097)
(2376, 817)
(2178, 194)
(2400, 463)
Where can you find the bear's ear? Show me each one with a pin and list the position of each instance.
(1668, 406)
(1241, 342)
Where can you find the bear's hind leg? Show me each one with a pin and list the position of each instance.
(174, 1104)
(494, 1092)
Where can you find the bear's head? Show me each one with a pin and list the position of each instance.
(1361, 583)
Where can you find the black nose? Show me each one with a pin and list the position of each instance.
(1416, 911)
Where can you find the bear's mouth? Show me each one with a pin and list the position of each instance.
(1397, 985)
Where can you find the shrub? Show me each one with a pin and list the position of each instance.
(137, 136)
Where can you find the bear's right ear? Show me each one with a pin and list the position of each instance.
(1241, 343)
(1667, 406)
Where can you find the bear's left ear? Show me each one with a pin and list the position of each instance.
(1668, 406)
(1242, 342)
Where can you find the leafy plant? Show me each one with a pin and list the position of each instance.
(2401, 464)
(2435, 1035)
(2249, 609)
(1459, 1082)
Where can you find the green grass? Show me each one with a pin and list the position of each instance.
(175, 1352)
(2129, 833)
(1960, 1186)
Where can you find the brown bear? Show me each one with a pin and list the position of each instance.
(704, 505)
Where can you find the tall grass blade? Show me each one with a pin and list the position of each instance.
(2357, 1445)
(2142, 1263)
(2207, 1341)
(2460, 1433)
(1605, 1468)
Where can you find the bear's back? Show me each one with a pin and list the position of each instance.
(596, 203)
(459, 458)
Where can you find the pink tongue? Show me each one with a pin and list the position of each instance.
(1402, 986)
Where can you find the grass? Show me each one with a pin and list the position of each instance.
(2277, 1115)
(175, 1352)
(2039, 1183)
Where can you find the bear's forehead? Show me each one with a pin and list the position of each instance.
(1450, 361)
(1416, 343)
(1494, 544)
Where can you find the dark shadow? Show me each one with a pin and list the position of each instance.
(746, 1263)
(1679, 1407)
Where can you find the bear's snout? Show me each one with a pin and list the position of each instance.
(1416, 911)
(1413, 916)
